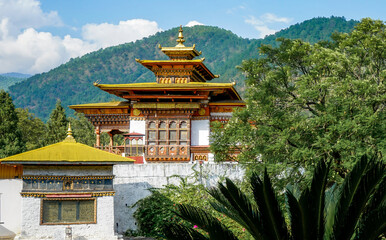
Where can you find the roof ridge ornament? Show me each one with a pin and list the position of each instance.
(180, 39)
(69, 137)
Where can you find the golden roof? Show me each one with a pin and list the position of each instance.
(169, 105)
(115, 104)
(66, 152)
(154, 85)
(121, 89)
(198, 64)
(180, 50)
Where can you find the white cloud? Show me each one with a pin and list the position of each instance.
(193, 23)
(272, 18)
(254, 21)
(34, 52)
(22, 14)
(25, 49)
(261, 23)
(107, 34)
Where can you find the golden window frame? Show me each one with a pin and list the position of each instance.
(67, 199)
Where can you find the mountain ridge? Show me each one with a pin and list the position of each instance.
(223, 50)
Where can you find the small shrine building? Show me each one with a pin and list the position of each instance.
(170, 117)
(67, 191)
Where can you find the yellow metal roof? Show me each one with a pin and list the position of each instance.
(169, 105)
(196, 85)
(170, 86)
(116, 104)
(66, 152)
(170, 61)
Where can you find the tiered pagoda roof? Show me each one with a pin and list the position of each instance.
(181, 78)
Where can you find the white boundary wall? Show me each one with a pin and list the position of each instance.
(138, 126)
(132, 182)
(102, 230)
(10, 204)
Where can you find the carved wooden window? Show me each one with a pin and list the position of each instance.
(68, 211)
(152, 125)
(152, 133)
(162, 124)
(168, 132)
(173, 124)
(172, 137)
(183, 124)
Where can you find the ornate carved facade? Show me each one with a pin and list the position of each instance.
(173, 113)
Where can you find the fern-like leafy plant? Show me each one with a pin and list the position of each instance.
(354, 210)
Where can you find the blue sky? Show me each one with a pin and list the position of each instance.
(36, 36)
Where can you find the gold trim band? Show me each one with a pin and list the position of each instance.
(43, 194)
(39, 177)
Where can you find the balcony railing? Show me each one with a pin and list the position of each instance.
(128, 150)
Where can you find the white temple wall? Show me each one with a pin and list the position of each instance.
(138, 126)
(102, 230)
(131, 183)
(200, 130)
(10, 204)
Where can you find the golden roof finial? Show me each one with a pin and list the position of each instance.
(69, 137)
(180, 39)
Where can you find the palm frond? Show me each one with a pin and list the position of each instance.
(307, 212)
(373, 226)
(205, 221)
(357, 189)
(298, 225)
(379, 196)
(331, 198)
(271, 217)
(236, 205)
(180, 232)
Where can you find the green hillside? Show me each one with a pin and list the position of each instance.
(223, 51)
(9, 79)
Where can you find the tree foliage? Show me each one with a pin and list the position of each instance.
(7, 81)
(157, 210)
(309, 101)
(33, 129)
(57, 125)
(83, 130)
(342, 212)
(11, 141)
(223, 50)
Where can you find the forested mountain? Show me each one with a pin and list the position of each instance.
(223, 51)
(9, 79)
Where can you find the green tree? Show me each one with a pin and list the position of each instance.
(57, 125)
(354, 210)
(72, 82)
(82, 129)
(309, 101)
(11, 141)
(33, 129)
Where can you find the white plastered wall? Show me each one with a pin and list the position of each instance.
(10, 204)
(138, 126)
(102, 230)
(200, 130)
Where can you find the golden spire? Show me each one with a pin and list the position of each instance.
(180, 39)
(69, 137)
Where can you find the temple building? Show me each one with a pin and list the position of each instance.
(67, 192)
(167, 120)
